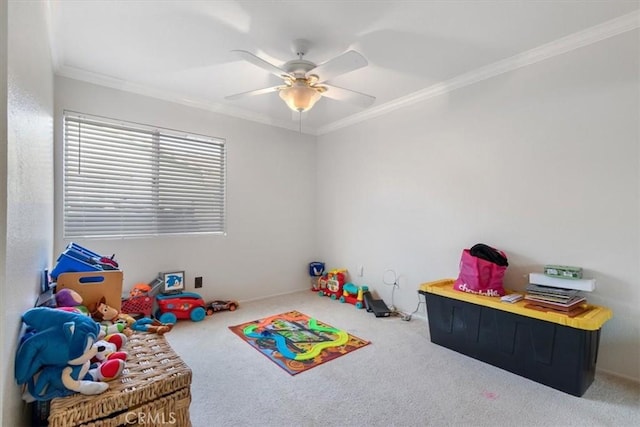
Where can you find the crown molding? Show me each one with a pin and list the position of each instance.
(56, 59)
(622, 24)
(140, 89)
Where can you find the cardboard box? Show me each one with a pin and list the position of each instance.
(587, 285)
(93, 285)
(563, 271)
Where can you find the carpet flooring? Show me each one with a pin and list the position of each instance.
(400, 379)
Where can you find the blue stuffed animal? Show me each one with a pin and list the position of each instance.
(55, 360)
(61, 337)
(52, 382)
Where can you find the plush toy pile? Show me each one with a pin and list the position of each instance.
(110, 320)
(65, 352)
(74, 349)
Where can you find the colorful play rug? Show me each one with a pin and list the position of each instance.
(295, 342)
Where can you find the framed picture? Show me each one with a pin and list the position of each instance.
(173, 282)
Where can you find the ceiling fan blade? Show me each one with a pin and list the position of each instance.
(351, 96)
(253, 93)
(341, 64)
(257, 61)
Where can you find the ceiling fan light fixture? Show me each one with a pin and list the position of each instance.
(305, 82)
(300, 96)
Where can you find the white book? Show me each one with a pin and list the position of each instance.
(587, 285)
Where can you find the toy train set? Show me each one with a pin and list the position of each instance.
(334, 285)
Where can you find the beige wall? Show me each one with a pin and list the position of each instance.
(270, 203)
(542, 162)
(3, 190)
(28, 213)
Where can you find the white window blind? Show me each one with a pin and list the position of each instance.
(125, 179)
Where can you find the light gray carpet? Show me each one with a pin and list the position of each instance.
(401, 379)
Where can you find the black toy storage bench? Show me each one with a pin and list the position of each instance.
(548, 347)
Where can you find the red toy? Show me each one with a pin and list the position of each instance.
(140, 300)
(219, 305)
(331, 283)
(183, 305)
(353, 294)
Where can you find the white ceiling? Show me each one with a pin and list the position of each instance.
(180, 50)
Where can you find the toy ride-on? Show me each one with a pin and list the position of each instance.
(353, 294)
(182, 305)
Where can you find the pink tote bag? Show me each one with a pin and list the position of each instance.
(479, 276)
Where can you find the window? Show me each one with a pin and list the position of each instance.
(125, 179)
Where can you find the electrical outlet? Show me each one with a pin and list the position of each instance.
(198, 283)
(360, 270)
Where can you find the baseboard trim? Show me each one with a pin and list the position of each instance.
(293, 291)
(617, 375)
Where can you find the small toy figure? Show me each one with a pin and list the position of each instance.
(151, 325)
(139, 289)
(68, 298)
(109, 316)
(316, 270)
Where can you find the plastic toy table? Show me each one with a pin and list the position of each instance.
(548, 347)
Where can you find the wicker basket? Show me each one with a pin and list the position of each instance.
(153, 390)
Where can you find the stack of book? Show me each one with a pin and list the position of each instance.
(554, 298)
(559, 290)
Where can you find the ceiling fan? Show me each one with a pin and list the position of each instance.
(304, 81)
